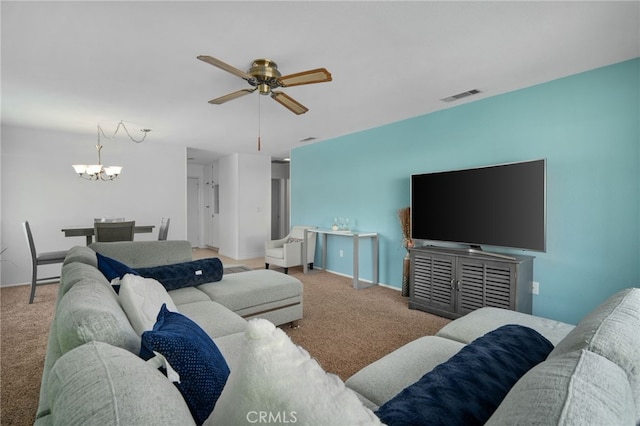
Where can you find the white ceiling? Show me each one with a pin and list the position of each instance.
(72, 65)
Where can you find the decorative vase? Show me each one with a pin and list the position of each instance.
(406, 267)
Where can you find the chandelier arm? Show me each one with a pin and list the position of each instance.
(121, 124)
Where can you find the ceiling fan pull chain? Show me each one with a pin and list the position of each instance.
(258, 123)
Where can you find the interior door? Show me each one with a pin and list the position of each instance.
(193, 211)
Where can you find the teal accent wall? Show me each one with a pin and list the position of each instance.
(585, 125)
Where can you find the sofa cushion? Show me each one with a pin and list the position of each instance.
(467, 388)
(578, 388)
(385, 378)
(193, 355)
(611, 330)
(231, 346)
(89, 312)
(81, 254)
(99, 384)
(143, 254)
(141, 298)
(188, 295)
(279, 379)
(185, 274)
(73, 273)
(481, 321)
(243, 290)
(215, 319)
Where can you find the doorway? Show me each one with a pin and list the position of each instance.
(193, 211)
(279, 208)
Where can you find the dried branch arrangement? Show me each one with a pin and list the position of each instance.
(404, 214)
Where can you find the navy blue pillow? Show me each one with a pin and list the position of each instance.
(468, 388)
(193, 355)
(112, 268)
(186, 274)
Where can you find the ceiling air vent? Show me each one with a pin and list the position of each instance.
(461, 95)
(309, 139)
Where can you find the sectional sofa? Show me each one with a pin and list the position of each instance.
(492, 365)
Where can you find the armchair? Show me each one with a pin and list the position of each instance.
(287, 251)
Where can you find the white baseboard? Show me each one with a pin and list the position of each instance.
(363, 280)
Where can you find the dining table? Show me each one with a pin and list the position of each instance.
(85, 231)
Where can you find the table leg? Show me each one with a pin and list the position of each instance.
(89, 239)
(356, 250)
(305, 262)
(374, 241)
(323, 261)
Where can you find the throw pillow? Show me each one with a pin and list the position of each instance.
(275, 381)
(186, 274)
(193, 355)
(468, 388)
(141, 298)
(112, 268)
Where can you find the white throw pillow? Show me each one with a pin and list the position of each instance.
(275, 381)
(141, 298)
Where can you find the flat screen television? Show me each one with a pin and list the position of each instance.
(502, 205)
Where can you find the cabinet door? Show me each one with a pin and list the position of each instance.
(484, 283)
(433, 281)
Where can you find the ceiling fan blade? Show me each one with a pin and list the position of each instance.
(289, 103)
(224, 66)
(319, 75)
(231, 96)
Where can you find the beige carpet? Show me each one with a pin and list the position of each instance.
(343, 328)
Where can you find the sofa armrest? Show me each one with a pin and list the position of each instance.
(293, 253)
(275, 243)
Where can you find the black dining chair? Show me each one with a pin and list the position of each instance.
(37, 259)
(113, 231)
(164, 229)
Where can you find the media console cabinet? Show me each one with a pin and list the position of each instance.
(452, 283)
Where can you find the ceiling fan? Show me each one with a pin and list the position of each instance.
(265, 77)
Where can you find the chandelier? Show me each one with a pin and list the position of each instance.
(98, 171)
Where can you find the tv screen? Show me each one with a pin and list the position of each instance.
(502, 205)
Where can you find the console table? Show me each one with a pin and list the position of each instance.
(355, 236)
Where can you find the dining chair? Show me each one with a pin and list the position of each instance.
(113, 231)
(45, 258)
(108, 219)
(164, 229)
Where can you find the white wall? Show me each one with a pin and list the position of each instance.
(39, 185)
(245, 205)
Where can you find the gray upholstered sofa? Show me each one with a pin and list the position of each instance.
(88, 310)
(93, 374)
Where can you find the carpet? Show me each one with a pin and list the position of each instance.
(343, 329)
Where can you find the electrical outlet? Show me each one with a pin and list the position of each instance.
(535, 287)
(341, 253)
